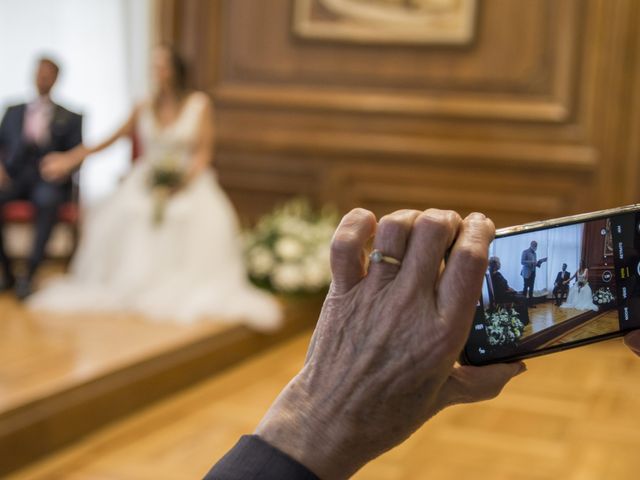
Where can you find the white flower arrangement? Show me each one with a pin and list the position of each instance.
(288, 250)
(503, 326)
(603, 296)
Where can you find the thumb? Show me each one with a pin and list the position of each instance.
(348, 247)
(468, 384)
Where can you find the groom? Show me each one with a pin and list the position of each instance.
(561, 285)
(27, 133)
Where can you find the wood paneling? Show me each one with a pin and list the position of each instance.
(534, 118)
(593, 256)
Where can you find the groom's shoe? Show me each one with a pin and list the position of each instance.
(24, 288)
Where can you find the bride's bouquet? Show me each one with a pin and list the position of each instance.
(288, 250)
(603, 296)
(166, 177)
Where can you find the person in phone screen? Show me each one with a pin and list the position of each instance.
(580, 294)
(561, 285)
(530, 262)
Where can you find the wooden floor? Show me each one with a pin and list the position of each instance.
(605, 323)
(64, 376)
(41, 354)
(574, 415)
(547, 315)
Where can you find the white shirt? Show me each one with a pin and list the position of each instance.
(37, 120)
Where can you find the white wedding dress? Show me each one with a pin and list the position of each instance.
(580, 298)
(187, 267)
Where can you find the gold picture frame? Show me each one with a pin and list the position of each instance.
(386, 21)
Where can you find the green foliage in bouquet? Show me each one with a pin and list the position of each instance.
(166, 176)
(288, 250)
(503, 326)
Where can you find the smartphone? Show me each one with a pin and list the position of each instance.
(558, 284)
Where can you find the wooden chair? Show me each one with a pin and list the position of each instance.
(490, 291)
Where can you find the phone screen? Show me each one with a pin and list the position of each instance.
(557, 287)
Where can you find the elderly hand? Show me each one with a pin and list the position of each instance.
(56, 166)
(382, 359)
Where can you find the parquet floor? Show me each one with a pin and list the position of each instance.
(41, 353)
(574, 415)
(547, 315)
(606, 323)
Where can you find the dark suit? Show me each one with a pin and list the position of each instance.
(501, 291)
(21, 160)
(504, 294)
(254, 459)
(561, 289)
(529, 262)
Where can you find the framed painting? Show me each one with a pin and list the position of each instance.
(386, 21)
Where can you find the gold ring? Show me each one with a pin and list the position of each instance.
(376, 256)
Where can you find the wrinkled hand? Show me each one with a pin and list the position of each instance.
(57, 166)
(382, 359)
(632, 340)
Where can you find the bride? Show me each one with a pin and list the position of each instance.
(166, 244)
(580, 296)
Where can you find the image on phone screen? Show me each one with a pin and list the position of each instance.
(552, 288)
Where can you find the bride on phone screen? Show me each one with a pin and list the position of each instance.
(580, 295)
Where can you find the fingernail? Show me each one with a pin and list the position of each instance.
(478, 215)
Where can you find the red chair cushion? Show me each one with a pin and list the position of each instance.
(22, 211)
(18, 211)
(69, 212)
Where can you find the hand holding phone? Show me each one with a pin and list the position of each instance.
(601, 250)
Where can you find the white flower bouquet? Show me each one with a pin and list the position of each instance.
(503, 326)
(288, 250)
(603, 296)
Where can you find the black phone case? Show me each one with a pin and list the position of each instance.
(543, 225)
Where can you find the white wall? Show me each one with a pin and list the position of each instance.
(103, 49)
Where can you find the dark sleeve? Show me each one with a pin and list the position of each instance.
(75, 135)
(254, 459)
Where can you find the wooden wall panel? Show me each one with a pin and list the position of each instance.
(535, 118)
